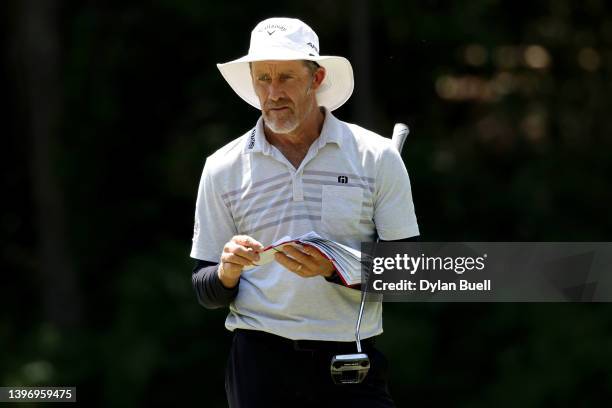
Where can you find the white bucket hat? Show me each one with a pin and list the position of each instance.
(283, 39)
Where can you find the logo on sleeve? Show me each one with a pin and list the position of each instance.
(342, 179)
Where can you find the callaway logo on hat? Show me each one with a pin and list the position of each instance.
(289, 39)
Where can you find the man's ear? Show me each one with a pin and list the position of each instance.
(317, 78)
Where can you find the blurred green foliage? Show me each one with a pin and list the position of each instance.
(508, 103)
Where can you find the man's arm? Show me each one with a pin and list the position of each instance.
(217, 285)
(208, 287)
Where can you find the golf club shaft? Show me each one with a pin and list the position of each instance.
(400, 133)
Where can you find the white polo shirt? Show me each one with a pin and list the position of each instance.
(352, 186)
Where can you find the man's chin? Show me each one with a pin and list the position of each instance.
(283, 127)
(282, 130)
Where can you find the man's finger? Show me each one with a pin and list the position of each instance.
(292, 265)
(300, 256)
(248, 242)
(314, 252)
(248, 253)
(321, 263)
(229, 257)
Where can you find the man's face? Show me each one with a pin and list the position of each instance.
(286, 92)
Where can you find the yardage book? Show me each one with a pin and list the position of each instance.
(346, 260)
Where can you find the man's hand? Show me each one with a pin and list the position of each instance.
(239, 252)
(307, 263)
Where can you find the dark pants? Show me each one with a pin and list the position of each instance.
(268, 371)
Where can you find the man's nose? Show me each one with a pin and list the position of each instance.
(275, 90)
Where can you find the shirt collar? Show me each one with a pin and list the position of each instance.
(256, 139)
(331, 132)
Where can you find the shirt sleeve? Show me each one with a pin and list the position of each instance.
(208, 287)
(214, 224)
(394, 214)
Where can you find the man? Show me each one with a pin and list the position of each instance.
(298, 170)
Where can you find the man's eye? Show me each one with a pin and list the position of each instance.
(263, 78)
(285, 77)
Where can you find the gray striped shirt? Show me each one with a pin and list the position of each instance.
(351, 186)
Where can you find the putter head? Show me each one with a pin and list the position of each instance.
(349, 368)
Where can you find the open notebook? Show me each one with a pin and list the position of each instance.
(346, 260)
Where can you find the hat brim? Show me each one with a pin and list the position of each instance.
(335, 90)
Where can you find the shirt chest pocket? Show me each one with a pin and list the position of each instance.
(341, 209)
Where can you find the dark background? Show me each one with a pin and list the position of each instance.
(109, 110)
